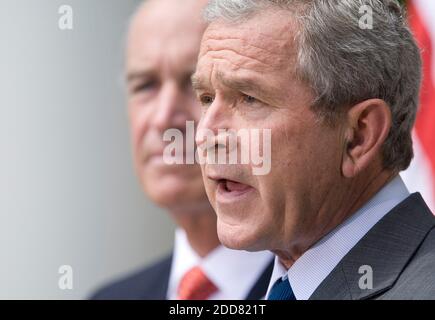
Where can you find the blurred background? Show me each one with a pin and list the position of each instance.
(68, 193)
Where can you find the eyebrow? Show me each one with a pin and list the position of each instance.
(242, 84)
(150, 73)
(134, 75)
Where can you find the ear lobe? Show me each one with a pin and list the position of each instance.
(368, 125)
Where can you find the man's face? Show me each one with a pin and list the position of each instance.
(161, 57)
(245, 80)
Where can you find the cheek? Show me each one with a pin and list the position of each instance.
(306, 165)
(194, 108)
(139, 125)
(296, 156)
(302, 145)
(133, 117)
(273, 191)
(210, 189)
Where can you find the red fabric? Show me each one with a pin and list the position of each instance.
(195, 286)
(425, 124)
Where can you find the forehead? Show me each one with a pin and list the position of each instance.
(265, 41)
(164, 30)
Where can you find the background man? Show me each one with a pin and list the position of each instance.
(162, 51)
(340, 100)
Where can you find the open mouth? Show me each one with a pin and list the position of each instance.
(232, 190)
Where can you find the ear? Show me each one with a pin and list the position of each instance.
(367, 127)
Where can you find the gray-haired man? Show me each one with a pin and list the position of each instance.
(340, 99)
(162, 50)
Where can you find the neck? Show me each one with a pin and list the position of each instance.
(199, 223)
(354, 197)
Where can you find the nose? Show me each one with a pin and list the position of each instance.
(170, 111)
(213, 127)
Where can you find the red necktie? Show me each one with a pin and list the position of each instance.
(195, 286)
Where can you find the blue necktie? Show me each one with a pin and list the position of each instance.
(281, 290)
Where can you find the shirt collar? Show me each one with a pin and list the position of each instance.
(308, 272)
(183, 259)
(234, 272)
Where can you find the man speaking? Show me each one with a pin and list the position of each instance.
(339, 91)
(162, 49)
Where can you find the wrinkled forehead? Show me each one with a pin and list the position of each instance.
(266, 39)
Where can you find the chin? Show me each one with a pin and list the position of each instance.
(162, 199)
(243, 236)
(166, 196)
(171, 191)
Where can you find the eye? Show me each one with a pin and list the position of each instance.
(249, 99)
(206, 100)
(144, 86)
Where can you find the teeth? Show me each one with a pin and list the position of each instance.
(226, 186)
(224, 183)
(235, 186)
(231, 186)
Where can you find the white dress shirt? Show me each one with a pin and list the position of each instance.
(309, 271)
(233, 272)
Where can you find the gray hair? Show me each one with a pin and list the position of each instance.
(345, 64)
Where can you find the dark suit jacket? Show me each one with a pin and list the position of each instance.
(152, 284)
(400, 249)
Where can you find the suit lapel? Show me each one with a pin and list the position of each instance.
(259, 289)
(158, 287)
(385, 250)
